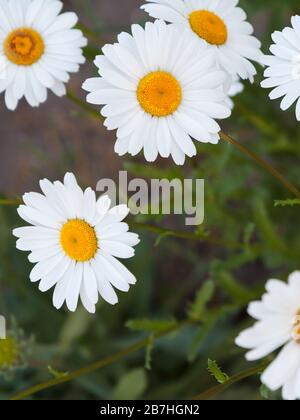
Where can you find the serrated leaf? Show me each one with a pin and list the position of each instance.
(288, 202)
(150, 325)
(56, 373)
(216, 372)
(197, 309)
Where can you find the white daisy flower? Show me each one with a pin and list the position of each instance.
(283, 72)
(159, 90)
(75, 241)
(278, 316)
(38, 50)
(220, 25)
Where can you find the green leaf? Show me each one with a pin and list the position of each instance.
(74, 327)
(216, 372)
(131, 386)
(57, 374)
(150, 325)
(237, 292)
(197, 309)
(288, 202)
(267, 228)
(248, 233)
(149, 350)
(200, 338)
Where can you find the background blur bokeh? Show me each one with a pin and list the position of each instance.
(252, 239)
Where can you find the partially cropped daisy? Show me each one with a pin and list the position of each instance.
(38, 50)
(160, 90)
(278, 325)
(75, 241)
(220, 25)
(283, 72)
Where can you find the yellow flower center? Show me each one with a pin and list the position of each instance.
(24, 47)
(159, 94)
(209, 26)
(79, 240)
(9, 352)
(296, 330)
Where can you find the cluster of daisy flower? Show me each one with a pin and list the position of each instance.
(161, 87)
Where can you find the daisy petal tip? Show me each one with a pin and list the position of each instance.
(15, 233)
(91, 311)
(31, 259)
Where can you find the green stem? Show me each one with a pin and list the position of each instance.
(10, 201)
(260, 161)
(84, 105)
(217, 390)
(263, 163)
(158, 230)
(100, 364)
(186, 235)
(89, 33)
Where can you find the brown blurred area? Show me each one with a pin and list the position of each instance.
(58, 137)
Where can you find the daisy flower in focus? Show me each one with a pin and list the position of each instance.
(219, 25)
(283, 72)
(159, 90)
(39, 48)
(278, 325)
(75, 241)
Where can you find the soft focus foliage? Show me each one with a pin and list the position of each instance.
(246, 240)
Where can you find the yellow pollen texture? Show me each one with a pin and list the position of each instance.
(79, 240)
(24, 47)
(159, 94)
(207, 25)
(296, 330)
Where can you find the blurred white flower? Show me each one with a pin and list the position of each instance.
(278, 316)
(160, 89)
(233, 89)
(75, 241)
(219, 25)
(38, 50)
(283, 72)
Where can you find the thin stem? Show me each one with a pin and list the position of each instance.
(100, 364)
(260, 161)
(217, 390)
(89, 33)
(263, 163)
(157, 229)
(84, 105)
(10, 201)
(186, 235)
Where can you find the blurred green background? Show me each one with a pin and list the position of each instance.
(246, 238)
